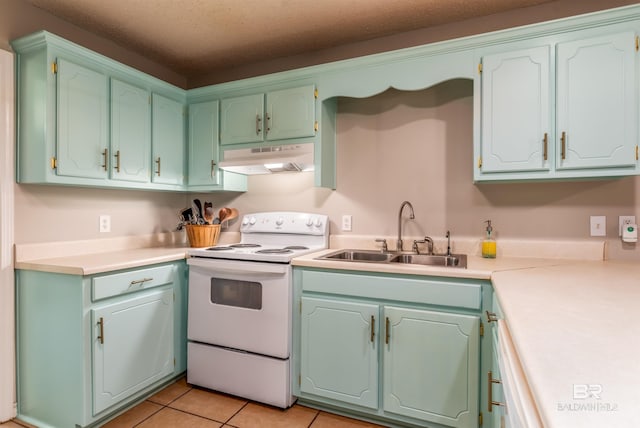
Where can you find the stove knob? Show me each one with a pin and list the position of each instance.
(309, 221)
(252, 220)
(279, 221)
(245, 221)
(318, 222)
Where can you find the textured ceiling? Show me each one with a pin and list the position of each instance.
(196, 37)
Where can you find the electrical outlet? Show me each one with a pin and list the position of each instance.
(105, 223)
(346, 223)
(624, 220)
(598, 225)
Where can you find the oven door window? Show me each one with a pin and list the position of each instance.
(237, 293)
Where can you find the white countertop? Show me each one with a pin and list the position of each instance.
(577, 324)
(92, 263)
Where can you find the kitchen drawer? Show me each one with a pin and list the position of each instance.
(443, 291)
(128, 282)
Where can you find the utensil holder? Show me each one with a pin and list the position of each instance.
(202, 235)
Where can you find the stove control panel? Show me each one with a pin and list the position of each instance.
(285, 222)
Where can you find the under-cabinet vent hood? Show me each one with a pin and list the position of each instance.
(269, 159)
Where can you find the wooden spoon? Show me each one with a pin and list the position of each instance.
(223, 214)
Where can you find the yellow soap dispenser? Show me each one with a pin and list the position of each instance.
(488, 243)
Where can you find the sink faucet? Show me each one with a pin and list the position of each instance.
(427, 240)
(411, 216)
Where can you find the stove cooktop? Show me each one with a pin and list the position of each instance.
(273, 237)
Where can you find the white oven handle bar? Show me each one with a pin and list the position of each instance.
(238, 267)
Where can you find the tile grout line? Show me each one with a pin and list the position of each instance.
(314, 418)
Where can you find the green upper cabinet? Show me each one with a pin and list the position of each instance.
(589, 131)
(515, 129)
(86, 120)
(242, 119)
(203, 152)
(289, 113)
(82, 121)
(168, 140)
(203, 144)
(597, 103)
(130, 132)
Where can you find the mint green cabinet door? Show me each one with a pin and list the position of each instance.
(339, 351)
(82, 107)
(290, 113)
(430, 366)
(596, 102)
(130, 132)
(168, 140)
(516, 113)
(241, 119)
(132, 346)
(203, 144)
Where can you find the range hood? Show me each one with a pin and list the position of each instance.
(269, 159)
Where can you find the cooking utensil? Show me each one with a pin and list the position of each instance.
(199, 218)
(208, 213)
(224, 213)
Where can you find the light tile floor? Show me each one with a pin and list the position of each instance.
(182, 405)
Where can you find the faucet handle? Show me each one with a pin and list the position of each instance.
(426, 240)
(384, 244)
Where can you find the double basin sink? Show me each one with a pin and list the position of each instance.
(371, 256)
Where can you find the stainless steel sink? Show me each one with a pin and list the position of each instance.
(359, 256)
(372, 256)
(454, 260)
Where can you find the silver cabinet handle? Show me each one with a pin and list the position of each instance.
(101, 335)
(105, 157)
(140, 281)
(491, 316)
(258, 120)
(117, 156)
(490, 401)
(158, 163)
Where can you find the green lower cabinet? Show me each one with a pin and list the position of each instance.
(89, 346)
(132, 346)
(403, 350)
(430, 366)
(340, 351)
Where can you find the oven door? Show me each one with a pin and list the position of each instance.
(242, 305)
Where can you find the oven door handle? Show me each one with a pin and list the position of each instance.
(238, 267)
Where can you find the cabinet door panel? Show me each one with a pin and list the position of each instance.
(203, 144)
(241, 119)
(339, 357)
(515, 110)
(82, 121)
(168, 141)
(130, 132)
(132, 346)
(596, 103)
(430, 366)
(290, 113)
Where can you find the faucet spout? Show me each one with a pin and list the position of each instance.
(411, 216)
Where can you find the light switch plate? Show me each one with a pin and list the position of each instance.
(598, 225)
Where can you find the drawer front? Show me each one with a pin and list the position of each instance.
(129, 282)
(445, 292)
